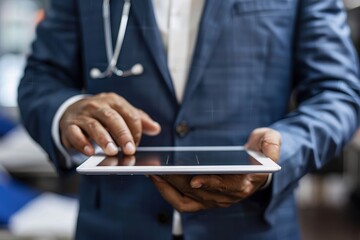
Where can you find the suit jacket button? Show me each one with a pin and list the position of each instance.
(163, 218)
(182, 129)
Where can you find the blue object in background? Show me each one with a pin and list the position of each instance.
(13, 196)
(5, 126)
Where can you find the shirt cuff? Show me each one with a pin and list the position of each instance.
(177, 225)
(55, 127)
(268, 182)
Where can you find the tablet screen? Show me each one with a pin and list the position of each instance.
(182, 158)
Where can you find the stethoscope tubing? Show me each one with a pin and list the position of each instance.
(113, 57)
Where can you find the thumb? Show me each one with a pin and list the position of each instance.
(149, 126)
(267, 141)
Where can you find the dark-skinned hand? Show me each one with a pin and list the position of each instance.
(188, 193)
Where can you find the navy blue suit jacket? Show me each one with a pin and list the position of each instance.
(251, 55)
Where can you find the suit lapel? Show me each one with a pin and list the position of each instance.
(144, 13)
(214, 16)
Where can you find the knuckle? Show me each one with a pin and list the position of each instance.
(223, 188)
(102, 140)
(77, 121)
(92, 124)
(122, 136)
(134, 116)
(92, 105)
(102, 95)
(67, 120)
(247, 191)
(112, 95)
(122, 132)
(109, 113)
(244, 192)
(69, 130)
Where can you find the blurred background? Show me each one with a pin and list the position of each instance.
(36, 204)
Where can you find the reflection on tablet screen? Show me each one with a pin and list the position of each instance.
(182, 158)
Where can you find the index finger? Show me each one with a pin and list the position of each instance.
(117, 127)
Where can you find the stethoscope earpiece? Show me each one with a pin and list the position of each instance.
(95, 73)
(137, 69)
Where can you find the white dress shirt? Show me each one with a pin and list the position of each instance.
(178, 22)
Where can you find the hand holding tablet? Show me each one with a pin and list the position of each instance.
(188, 193)
(198, 178)
(181, 160)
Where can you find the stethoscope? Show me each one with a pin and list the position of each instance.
(113, 57)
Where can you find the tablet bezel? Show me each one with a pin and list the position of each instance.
(90, 166)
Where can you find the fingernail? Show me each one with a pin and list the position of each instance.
(130, 148)
(157, 178)
(195, 185)
(87, 150)
(111, 148)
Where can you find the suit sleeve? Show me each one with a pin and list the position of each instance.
(52, 75)
(327, 93)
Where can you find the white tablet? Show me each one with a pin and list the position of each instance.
(181, 160)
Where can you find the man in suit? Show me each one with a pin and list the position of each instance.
(215, 73)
